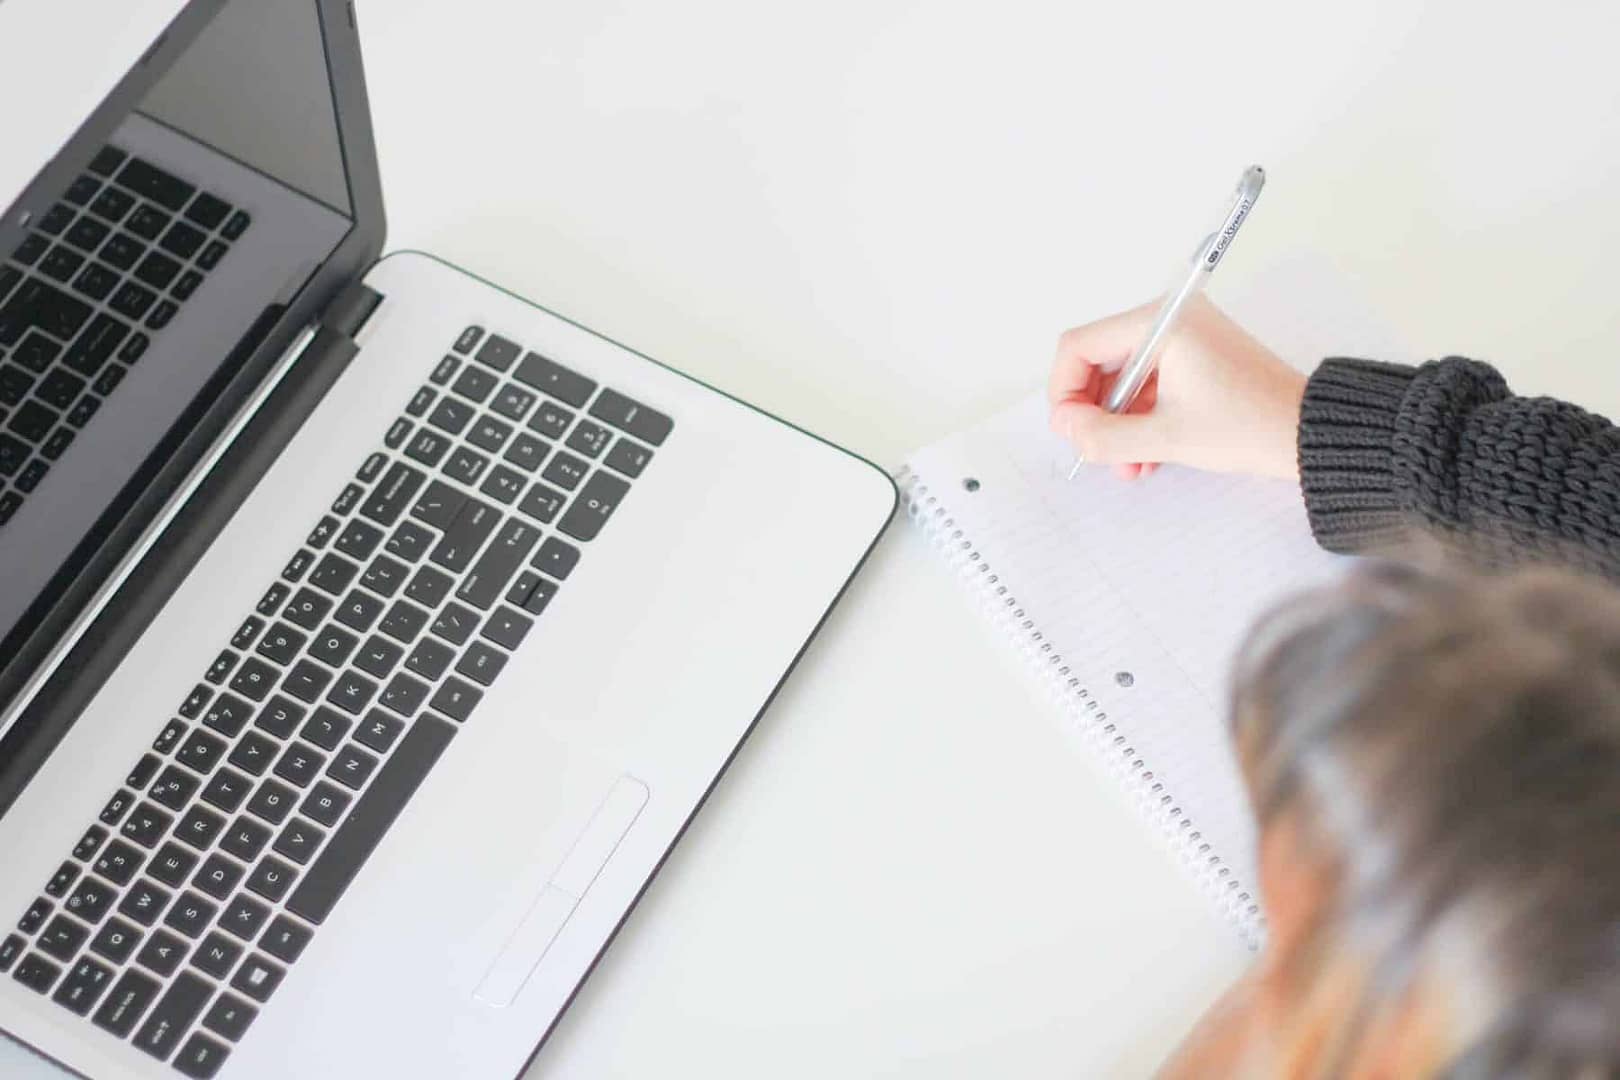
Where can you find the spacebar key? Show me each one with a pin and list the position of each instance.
(353, 842)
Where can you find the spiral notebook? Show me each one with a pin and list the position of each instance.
(1129, 600)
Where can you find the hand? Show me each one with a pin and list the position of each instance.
(1219, 400)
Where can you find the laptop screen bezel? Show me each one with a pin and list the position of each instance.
(46, 717)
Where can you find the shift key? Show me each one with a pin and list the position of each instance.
(466, 534)
(499, 565)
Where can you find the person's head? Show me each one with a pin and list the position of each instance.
(1434, 762)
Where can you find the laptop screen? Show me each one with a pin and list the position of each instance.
(125, 308)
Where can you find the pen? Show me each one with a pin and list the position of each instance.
(1134, 375)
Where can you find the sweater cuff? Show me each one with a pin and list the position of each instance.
(1346, 457)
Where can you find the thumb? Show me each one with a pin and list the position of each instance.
(1105, 438)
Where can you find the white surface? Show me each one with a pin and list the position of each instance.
(874, 218)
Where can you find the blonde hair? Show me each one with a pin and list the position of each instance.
(1447, 748)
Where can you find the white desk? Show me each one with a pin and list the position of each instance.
(873, 218)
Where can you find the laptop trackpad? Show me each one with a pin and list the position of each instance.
(569, 882)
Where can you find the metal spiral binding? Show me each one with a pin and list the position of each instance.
(1064, 688)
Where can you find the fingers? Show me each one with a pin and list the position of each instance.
(1086, 351)
(1105, 438)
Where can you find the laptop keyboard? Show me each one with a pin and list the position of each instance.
(178, 914)
(104, 269)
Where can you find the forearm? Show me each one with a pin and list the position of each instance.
(1446, 448)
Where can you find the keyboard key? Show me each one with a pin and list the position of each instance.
(227, 790)
(244, 916)
(116, 940)
(565, 470)
(185, 285)
(134, 348)
(428, 447)
(391, 497)
(378, 731)
(247, 633)
(489, 434)
(245, 839)
(257, 978)
(35, 916)
(299, 840)
(421, 400)
(628, 458)
(199, 827)
(333, 574)
(33, 420)
(208, 211)
(481, 664)
(39, 304)
(358, 540)
(122, 251)
(307, 681)
(430, 659)
(153, 183)
(228, 714)
(325, 802)
(403, 622)
(465, 465)
(280, 717)
(144, 902)
(62, 938)
(497, 352)
(27, 253)
(86, 233)
(503, 485)
(162, 953)
(333, 645)
(162, 314)
(10, 949)
(404, 694)
(273, 598)
(230, 1017)
(108, 380)
(307, 609)
(532, 593)
(475, 384)
(542, 503)
(13, 452)
(588, 438)
(118, 863)
(36, 352)
(556, 557)
(107, 159)
(506, 627)
(202, 751)
(632, 418)
(63, 879)
(85, 983)
(174, 788)
(282, 643)
(450, 415)
(172, 865)
(55, 220)
(444, 369)
(89, 843)
(552, 378)
(348, 499)
(593, 506)
(326, 728)
(58, 443)
(201, 1057)
(465, 536)
(173, 1015)
(429, 587)
(217, 955)
(146, 825)
(272, 802)
(236, 225)
(300, 764)
(82, 190)
(353, 841)
(147, 222)
(379, 657)
(285, 939)
(218, 877)
(527, 452)
(129, 998)
(191, 915)
(14, 385)
(92, 349)
(489, 578)
(456, 699)
(182, 240)
(58, 389)
(359, 611)
(513, 401)
(167, 740)
(323, 532)
(133, 301)
(211, 255)
(254, 753)
(117, 807)
(351, 766)
(31, 475)
(221, 667)
(36, 973)
(551, 420)
(455, 624)
(271, 878)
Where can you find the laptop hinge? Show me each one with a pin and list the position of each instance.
(348, 312)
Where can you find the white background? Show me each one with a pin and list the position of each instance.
(873, 217)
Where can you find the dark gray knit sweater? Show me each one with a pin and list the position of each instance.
(1446, 448)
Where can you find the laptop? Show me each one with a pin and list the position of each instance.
(368, 634)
